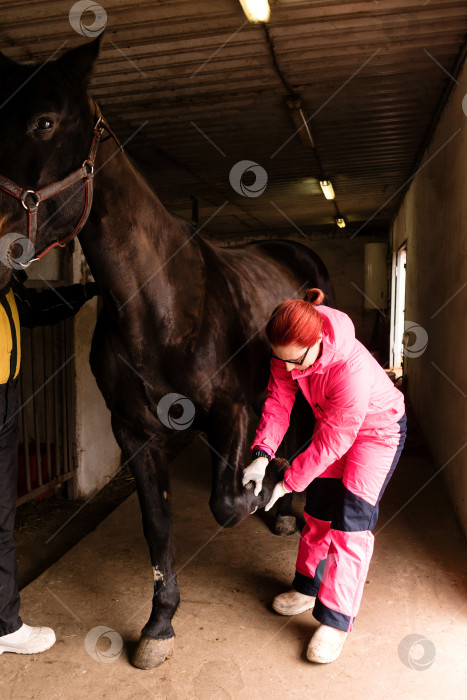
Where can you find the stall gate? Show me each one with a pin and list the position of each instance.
(46, 451)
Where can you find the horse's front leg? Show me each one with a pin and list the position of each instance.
(149, 466)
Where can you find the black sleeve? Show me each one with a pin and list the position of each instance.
(49, 306)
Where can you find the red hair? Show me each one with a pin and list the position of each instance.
(296, 321)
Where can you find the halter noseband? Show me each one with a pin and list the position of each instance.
(30, 199)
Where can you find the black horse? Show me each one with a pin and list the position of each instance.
(179, 316)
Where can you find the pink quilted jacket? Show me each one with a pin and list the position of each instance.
(349, 393)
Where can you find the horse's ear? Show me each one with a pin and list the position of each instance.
(79, 62)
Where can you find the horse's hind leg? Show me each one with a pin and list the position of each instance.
(149, 466)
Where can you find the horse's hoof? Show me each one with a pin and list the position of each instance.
(285, 525)
(151, 653)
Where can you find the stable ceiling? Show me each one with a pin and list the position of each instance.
(196, 88)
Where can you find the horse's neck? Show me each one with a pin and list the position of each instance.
(137, 251)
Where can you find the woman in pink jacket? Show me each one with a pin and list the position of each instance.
(357, 441)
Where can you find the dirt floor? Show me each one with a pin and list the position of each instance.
(229, 643)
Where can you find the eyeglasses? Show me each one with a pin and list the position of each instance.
(292, 362)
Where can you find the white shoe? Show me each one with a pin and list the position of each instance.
(325, 645)
(27, 640)
(293, 603)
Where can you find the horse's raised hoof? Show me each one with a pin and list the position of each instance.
(285, 525)
(151, 653)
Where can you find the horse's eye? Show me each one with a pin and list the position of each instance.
(44, 124)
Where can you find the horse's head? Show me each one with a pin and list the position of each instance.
(230, 509)
(46, 125)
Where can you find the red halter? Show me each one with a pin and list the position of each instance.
(30, 199)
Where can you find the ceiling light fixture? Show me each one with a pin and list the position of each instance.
(328, 189)
(256, 10)
(340, 221)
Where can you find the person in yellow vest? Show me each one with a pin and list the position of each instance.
(21, 306)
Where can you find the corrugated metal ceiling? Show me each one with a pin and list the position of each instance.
(203, 81)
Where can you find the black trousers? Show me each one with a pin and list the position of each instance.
(10, 620)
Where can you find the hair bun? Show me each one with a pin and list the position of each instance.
(315, 296)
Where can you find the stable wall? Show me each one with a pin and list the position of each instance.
(97, 452)
(433, 220)
(344, 260)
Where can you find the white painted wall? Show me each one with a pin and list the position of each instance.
(98, 455)
(433, 219)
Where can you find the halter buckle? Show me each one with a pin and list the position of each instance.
(100, 126)
(31, 207)
(89, 165)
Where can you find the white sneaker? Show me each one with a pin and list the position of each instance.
(325, 645)
(27, 640)
(293, 603)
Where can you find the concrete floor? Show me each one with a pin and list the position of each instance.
(229, 643)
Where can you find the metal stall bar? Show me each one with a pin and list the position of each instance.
(46, 455)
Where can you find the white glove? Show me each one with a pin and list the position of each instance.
(279, 491)
(255, 472)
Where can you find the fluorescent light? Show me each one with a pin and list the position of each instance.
(327, 188)
(256, 10)
(340, 221)
(300, 121)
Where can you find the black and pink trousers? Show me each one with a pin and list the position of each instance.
(341, 511)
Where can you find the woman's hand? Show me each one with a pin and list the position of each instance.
(255, 472)
(279, 491)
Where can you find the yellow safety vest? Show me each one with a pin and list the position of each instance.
(9, 337)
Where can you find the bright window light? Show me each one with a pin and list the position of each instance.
(256, 10)
(327, 188)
